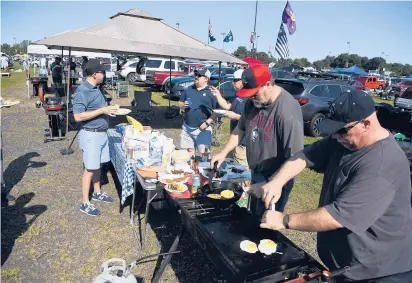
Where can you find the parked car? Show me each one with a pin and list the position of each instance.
(397, 90)
(281, 74)
(314, 97)
(371, 82)
(159, 78)
(177, 85)
(128, 70)
(155, 64)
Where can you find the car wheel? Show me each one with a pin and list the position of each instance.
(380, 87)
(313, 127)
(131, 77)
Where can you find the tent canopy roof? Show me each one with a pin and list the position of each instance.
(138, 33)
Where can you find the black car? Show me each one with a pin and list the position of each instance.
(281, 74)
(314, 97)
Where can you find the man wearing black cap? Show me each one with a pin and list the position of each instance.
(364, 219)
(272, 125)
(90, 109)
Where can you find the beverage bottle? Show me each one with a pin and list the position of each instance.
(205, 156)
(195, 180)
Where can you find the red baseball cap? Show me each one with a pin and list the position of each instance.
(254, 78)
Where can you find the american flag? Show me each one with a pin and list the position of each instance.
(282, 47)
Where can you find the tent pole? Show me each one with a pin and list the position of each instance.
(220, 70)
(169, 114)
(68, 93)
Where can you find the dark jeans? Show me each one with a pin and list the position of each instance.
(257, 206)
(405, 277)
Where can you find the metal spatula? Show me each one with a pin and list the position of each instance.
(212, 173)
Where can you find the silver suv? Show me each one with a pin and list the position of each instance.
(314, 97)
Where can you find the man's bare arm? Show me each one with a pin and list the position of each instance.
(84, 116)
(313, 221)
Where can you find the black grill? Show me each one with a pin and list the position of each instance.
(219, 233)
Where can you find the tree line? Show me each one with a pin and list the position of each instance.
(340, 61)
(241, 52)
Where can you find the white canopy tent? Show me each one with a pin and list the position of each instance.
(137, 33)
(35, 49)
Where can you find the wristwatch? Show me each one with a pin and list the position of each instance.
(207, 124)
(286, 221)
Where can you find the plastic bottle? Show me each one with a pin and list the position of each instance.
(195, 179)
(205, 155)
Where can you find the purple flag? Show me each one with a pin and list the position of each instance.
(288, 18)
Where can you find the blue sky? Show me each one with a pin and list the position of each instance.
(322, 27)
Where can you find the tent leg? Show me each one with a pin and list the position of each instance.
(169, 114)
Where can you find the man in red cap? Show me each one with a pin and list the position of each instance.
(272, 125)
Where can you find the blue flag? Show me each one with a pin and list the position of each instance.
(211, 37)
(228, 37)
(288, 18)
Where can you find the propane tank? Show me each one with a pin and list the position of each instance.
(115, 271)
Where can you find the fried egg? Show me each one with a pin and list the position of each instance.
(248, 246)
(267, 247)
(227, 194)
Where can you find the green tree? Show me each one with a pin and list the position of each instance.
(241, 52)
(374, 63)
(303, 62)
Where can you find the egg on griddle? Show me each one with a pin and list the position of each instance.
(248, 246)
(227, 194)
(267, 246)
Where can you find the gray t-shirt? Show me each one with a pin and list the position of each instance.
(368, 192)
(273, 134)
(89, 98)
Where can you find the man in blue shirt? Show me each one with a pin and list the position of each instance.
(90, 109)
(235, 110)
(198, 103)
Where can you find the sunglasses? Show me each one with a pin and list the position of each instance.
(346, 130)
(236, 80)
(199, 76)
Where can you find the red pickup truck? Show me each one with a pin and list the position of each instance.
(159, 78)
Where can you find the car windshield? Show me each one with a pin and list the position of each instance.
(294, 88)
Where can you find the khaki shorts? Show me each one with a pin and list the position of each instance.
(239, 155)
(194, 137)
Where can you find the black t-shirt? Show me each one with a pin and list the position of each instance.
(368, 192)
(273, 134)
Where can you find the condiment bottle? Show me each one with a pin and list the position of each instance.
(195, 179)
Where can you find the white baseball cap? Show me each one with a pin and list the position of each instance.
(238, 74)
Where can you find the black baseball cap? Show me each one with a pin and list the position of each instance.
(203, 72)
(350, 106)
(93, 66)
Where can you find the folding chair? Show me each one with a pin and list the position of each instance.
(216, 131)
(122, 89)
(143, 105)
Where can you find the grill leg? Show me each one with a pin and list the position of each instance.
(167, 258)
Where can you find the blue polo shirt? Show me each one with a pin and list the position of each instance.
(202, 104)
(238, 105)
(89, 98)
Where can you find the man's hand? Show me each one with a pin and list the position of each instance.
(214, 91)
(219, 157)
(271, 193)
(273, 220)
(110, 110)
(203, 126)
(256, 189)
(232, 115)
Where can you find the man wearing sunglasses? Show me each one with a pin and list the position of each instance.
(234, 112)
(91, 110)
(198, 103)
(272, 124)
(364, 219)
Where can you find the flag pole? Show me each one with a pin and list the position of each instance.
(208, 27)
(254, 30)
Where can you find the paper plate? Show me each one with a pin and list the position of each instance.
(123, 111)
(220, 111)
(173, 178)
(184, 188)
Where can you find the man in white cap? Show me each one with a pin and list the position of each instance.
(235, 110)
